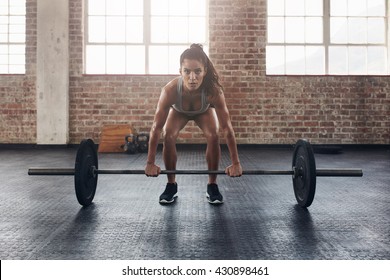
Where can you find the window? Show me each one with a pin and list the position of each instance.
(142, 37)
(12, 36)
(335, 37)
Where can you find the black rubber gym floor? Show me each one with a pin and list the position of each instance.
(41, 218)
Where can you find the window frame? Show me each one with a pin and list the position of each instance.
(16, 44)
(326, 44)
(146, 43)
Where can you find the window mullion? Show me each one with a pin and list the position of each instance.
(326, 33)
(86, 34)
(387, 35)
(147, 32)
(126, 40)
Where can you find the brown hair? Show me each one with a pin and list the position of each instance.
(211, 80)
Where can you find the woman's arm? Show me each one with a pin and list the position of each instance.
(222, 111)
(163, 106)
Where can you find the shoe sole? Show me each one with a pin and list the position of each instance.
(213, 202)
(163, 201)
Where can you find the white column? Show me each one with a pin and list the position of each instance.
(52, 71)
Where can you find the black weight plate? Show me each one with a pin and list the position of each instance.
(84, 180)
(305, 180)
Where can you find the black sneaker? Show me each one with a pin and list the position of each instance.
(213, 194)
(170, 193)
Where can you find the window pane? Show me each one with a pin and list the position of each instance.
(275, 60)
(17, 38)
(17, 49)
(338, 7)
(4, 49)
(339, 30)
(135, 60)
(376, 8)
(174, 58)
(295, 30)
(377, 60)
(313, 30)
(116, 32)
(314, 7)
(178, 29)
(95, 60)
(158, 60)
(357, 30)
(3, 59)
(295, 60)
(275, 27)
(159, 29)
(96, 7)
(17, 2)
(159, 7)
(4, 38)
(178, 7)
(17, 20)
(295, 7)
(4, 19)
(116, 7)
(197, 25)
(17, 59)
(197, 8)
(17, 10)
(97, 29)
(275, 7)
(13, 28)
(338, 60)
(134, 30)
(315, 60)
(4, 7)
(357, 7)
(357, 60)
(3, 10)
(135, 7)
(376, 31)
(17, 69)
(116, 62)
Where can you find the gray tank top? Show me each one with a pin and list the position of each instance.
(179, 101)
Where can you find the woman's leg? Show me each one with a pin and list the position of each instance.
(175, 122)
(208, 123)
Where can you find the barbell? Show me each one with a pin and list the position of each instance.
(303, 172)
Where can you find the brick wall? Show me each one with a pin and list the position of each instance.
(271, 109)
(17, 92)
(264, 109)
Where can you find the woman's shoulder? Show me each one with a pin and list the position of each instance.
(169, 91)
(214, 93)
(171, 86)
(217, 98)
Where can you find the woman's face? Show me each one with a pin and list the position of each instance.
(193, 73)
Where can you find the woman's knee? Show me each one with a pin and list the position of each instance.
(169, 137)
(212, 136)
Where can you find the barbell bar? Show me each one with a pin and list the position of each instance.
(303, 172)
(320, 172)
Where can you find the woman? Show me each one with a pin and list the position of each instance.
(196, 95)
